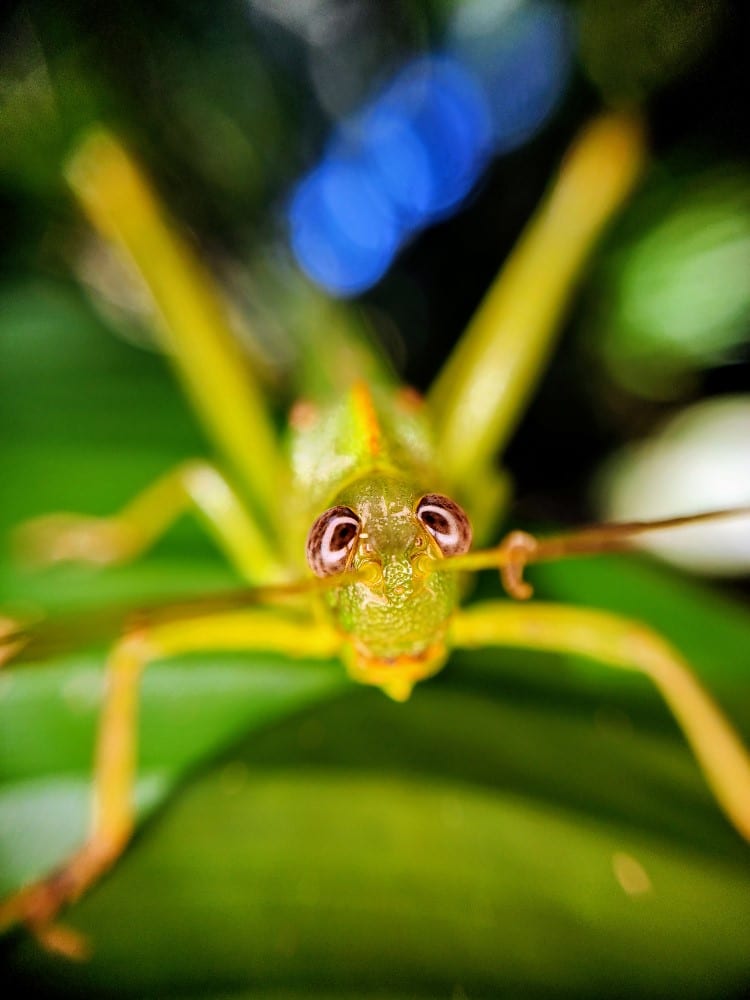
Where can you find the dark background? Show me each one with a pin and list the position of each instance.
(222, 102)
(303, 836)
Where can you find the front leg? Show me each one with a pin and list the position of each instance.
(627, 645)
(38, 904)
(194, 486)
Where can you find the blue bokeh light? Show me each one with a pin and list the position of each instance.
(416, 151)
(521, 53)
(428, 137)
(343, 231)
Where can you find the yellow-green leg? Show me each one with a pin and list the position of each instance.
(627, 645)
(38, 904)
(194, 327)
(484, 386)
(192, 486)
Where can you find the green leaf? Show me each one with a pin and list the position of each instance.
(189, 709)
(526, 825)
(306, 863)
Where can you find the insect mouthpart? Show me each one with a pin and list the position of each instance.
(395, 675)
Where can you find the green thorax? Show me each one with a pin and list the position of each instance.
(372, 453)
(369, 431)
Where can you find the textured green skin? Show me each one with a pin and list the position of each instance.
(332, 448)
(405, 611)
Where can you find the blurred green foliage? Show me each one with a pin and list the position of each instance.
(673, 294)
(483, 839)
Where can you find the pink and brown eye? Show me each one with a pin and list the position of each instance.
(446, 522)
(331, 541)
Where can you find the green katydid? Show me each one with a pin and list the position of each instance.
(383, 494)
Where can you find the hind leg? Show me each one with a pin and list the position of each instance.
(627, 645)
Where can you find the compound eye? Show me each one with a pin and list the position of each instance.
(331, 541)
(446, 522)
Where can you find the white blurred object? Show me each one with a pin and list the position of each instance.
(699, 462)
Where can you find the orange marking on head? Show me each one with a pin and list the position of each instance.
(409, 399)
(304, 415)
(396, 675)
(366, 419)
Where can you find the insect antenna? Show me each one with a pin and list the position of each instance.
(519, 548)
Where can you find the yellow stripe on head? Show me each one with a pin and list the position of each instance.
(366, 427)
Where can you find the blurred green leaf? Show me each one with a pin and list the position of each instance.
(670, 294)
(282, 871)
(526, 825)
(48, 723)
(629, 50)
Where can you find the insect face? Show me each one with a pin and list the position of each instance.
(395, 615)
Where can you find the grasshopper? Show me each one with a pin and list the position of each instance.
(357, 532)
